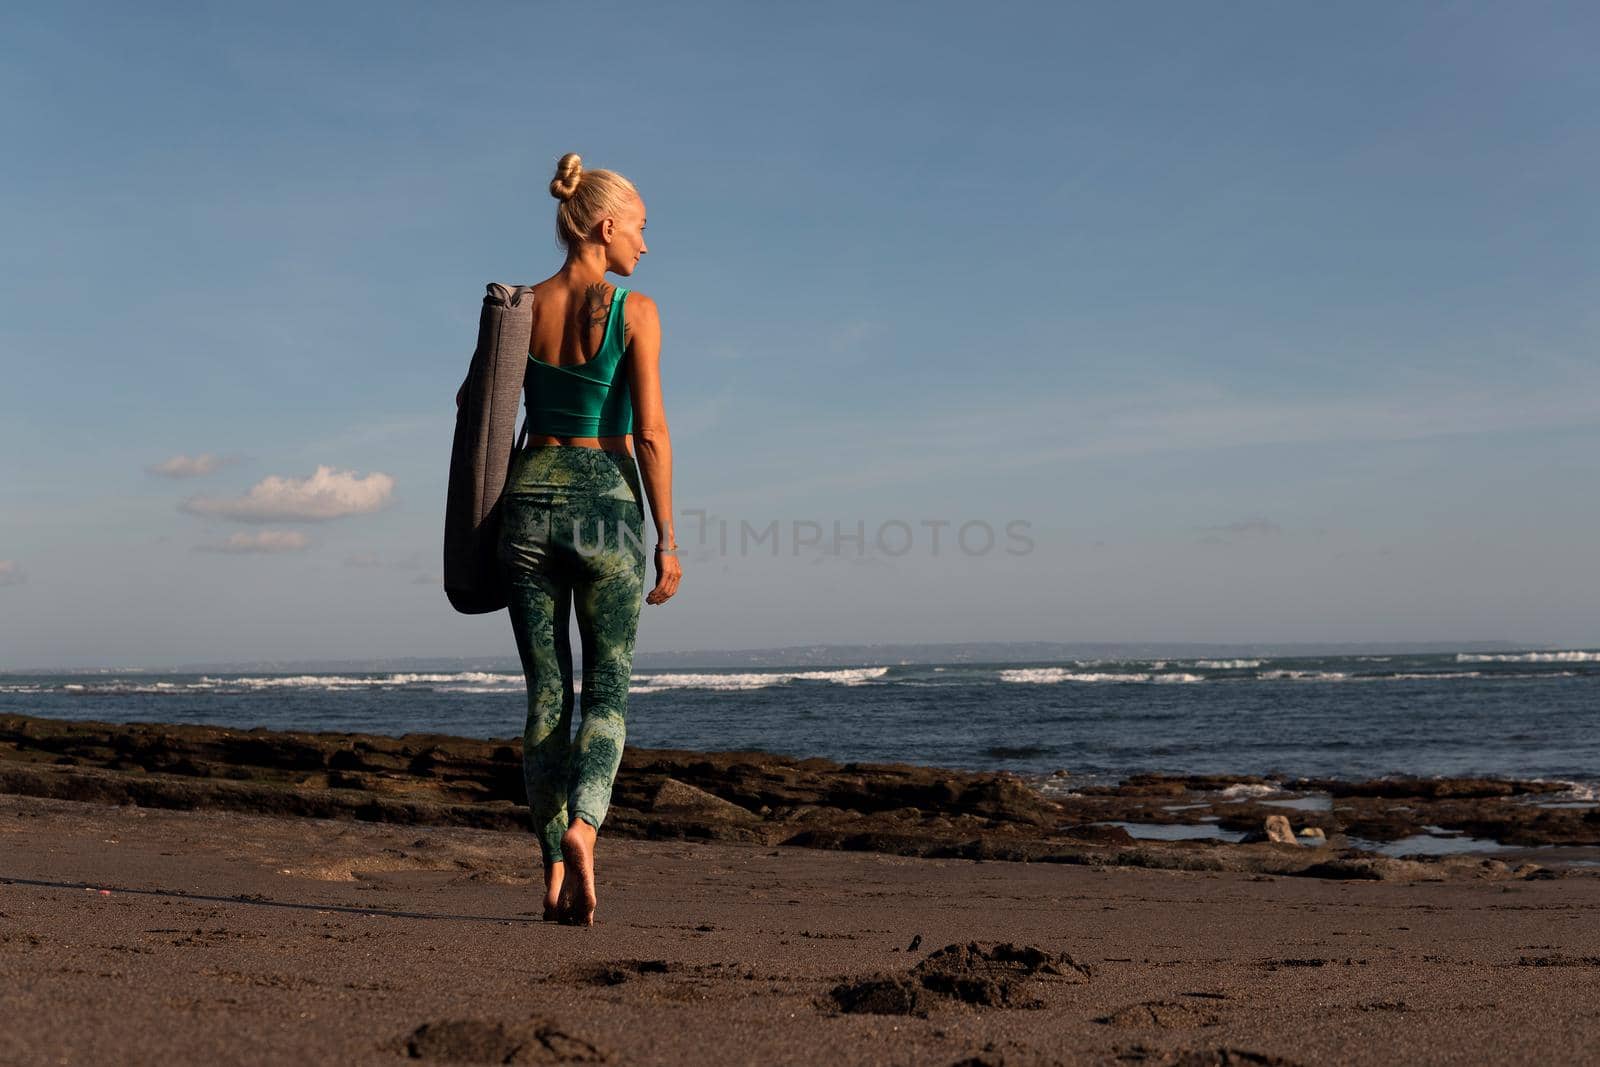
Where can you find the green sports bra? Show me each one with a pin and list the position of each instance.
(587, 400)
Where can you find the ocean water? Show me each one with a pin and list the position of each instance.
(1524, 714)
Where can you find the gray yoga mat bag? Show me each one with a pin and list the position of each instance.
(486, 439)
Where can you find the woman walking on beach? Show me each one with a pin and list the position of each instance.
(572, 519)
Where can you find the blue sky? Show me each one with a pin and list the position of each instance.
(1272, 321)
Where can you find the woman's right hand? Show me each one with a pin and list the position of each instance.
(667, 575)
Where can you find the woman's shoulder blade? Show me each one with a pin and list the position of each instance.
(637, 302)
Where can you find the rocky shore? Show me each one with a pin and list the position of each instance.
(1311, 827)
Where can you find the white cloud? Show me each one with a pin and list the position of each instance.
(327, 494)
(363, 559)
(181, 466)
(10, 573)
(265, 541)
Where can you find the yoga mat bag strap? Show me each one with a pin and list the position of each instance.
(480, 457)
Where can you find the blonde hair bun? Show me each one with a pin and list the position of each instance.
(586, 196)
(569, 172)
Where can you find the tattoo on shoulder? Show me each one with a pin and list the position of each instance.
(596, 304)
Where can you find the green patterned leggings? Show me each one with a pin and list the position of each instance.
(571, 537)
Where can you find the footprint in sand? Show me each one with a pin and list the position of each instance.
(984, 976)
(610, 972)
(1160, 1015)
(490, 1041)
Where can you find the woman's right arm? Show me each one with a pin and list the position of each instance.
(651, 441)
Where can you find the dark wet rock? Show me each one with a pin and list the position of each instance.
(1174, 785)
(757, 797)
(1133, 788)
(1101, 835)
(1376, 822)
(1375, 869)
(260, 746)
(675, 796)
(1519, 824)
(983, 975)
(488, 1041)
(1431, 788)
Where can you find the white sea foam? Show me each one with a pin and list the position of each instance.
(350, 681)
(1226, 664)
(1528, 657)
(463, 681)
(1427, 676)
(1247, 789)
(1575, 792)
(1057, 787)
(1303, 676)
(754, 680)
(466, 682)
(645, 684)
(520, 686)
(125, 688)
(1103, 676)
(1052, 675)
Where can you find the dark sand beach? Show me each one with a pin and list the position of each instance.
(199, 895)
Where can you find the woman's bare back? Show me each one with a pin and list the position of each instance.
(569, 329)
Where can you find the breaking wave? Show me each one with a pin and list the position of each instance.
(1303, 676)
(655, 683)
(1528, 657)
(1052, 675)
(356, 681)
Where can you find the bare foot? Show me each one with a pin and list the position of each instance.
(552, 890)
(577, 890)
